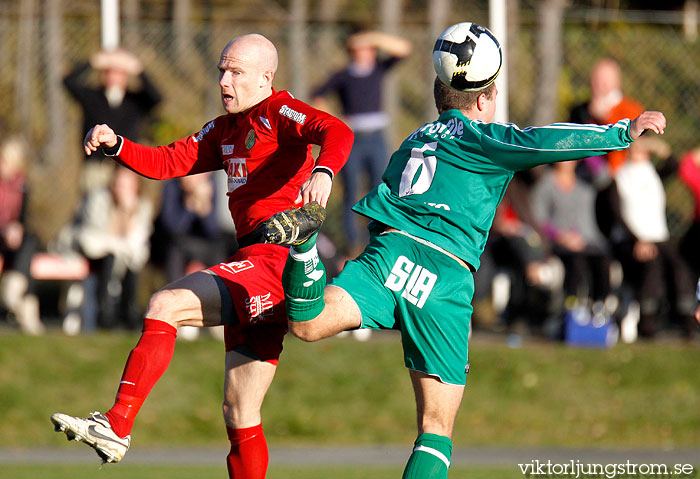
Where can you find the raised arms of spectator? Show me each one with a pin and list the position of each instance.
(392, 45)
(149, 95)
(74, 81)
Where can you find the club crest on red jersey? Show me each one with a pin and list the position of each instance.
(250, 139)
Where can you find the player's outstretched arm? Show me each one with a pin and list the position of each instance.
(99, 135)
(649, 120)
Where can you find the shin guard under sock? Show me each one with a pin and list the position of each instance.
(248, 457)
(304, 281)
(145, 365)
(430, 458)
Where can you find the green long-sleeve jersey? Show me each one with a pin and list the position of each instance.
(446, 179)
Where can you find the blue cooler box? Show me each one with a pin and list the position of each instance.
(587, 330)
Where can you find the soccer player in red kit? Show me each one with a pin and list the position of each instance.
(264, 143)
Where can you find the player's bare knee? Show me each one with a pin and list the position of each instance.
(227, 411)
(305, 330)
(163, 306)
(232, 416)
(435, 424)
(239, 415)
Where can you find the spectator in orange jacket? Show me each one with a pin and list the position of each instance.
(607, 104)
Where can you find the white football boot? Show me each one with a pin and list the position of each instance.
(96, 432)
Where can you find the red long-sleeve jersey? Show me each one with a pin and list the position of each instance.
(266, 152)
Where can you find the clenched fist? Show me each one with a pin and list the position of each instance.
(99, 135)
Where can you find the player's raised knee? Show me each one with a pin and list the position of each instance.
(163, 305)
(306, 330)
(227, 410)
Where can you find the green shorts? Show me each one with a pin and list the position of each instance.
(400, 283)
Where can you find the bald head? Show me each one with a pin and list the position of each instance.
(246, 69)
(255, 48)
(606, 77)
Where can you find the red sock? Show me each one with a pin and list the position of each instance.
(146, 364)
(248, 457)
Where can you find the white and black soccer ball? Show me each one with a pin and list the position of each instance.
(467, 57)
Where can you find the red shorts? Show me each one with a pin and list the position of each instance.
(252, 301)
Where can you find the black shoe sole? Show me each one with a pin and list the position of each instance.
(294, 226)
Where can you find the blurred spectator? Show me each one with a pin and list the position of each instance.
(17, 245)
(564, 207)
(697, 298)
(641, 239)
(359, 88)
(607, 105)
(689, 172)
(187, 234)
(112, 231)
(515, 247)
(111, 102)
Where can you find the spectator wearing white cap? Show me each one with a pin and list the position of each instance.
(111, 101)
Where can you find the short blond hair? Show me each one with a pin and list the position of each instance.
(447, 98)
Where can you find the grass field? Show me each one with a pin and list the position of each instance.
(343, 392)
(191, 472)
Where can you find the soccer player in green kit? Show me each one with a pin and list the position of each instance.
(430, 219)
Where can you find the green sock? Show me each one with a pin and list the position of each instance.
(306, 245)
(304, 281)
(430, 459)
